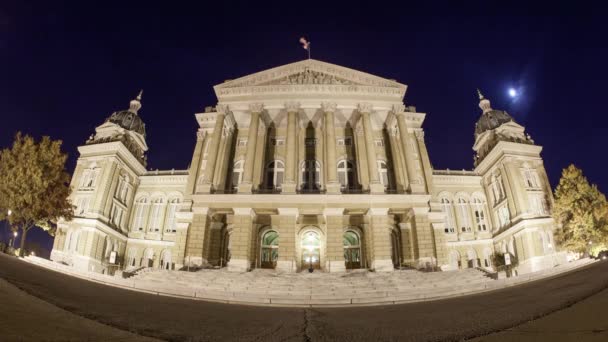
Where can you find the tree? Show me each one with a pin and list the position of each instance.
(34, 185)
(580, 211)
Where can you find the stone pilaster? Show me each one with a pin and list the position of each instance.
(196, 238)
(407, 243)
(425, 239)
(287, 239)
(415, 184)
(374, 182)
(379, 228)
(195, 165)
(332, 185)
(240, 240)
(289, 185)
(398, 165)
(103, 187)
(335, 240)
(212, 153)
(252, 136)
(425, 162)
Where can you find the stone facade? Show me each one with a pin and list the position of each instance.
(308, 165)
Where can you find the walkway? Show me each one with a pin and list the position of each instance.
(171, 318)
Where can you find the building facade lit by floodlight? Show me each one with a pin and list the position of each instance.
(309, 164)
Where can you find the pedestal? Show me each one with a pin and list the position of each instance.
(334, 188)
(376, 188)
(288, 188)
(245, 188)
(238, 265)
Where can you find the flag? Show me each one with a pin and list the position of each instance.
(305, 43)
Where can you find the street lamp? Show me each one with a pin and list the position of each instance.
(14, 238)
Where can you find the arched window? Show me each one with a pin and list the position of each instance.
(89, 177)
(472, 258)
(530, 176)
(237, 173)
(156, 215)
(455, 262)
(141, 207)
(148, 259)
(269, 249)
(480, 216)
(352, 250)
(346, 174)
(383, 172)
(498, 190)
(274, 174)
(450, 224)
(171, 221)
(165, 260)
(311, 175)
(132, 257)
(463, 215)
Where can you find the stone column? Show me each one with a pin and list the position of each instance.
(407, 243)
(287, 239)
(374, 182)
(332, 185)
(207, 185)
(362, 171)
(196, 162)
(289, 185)
(414, 186)
(399, 167)
(196, 238)
(252, 135)
(335, 240)
(381, 238)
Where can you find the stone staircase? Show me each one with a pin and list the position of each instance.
(318, 289)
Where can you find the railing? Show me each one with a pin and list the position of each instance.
(449, 172)
(166, 172)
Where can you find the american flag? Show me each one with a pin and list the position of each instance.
(305, 43)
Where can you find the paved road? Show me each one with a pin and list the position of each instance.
(179, 319)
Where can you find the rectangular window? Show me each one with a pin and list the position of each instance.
(277, 141)
(379, 142)
(242, 142)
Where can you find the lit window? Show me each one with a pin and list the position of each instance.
(346, 174)
(480, 217)
(465, 219)
(383, 172)
(171, 221)
(274, 174)
(140, 211)
(237, 173)
(449, 216)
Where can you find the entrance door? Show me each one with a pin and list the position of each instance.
(352, 250)
(311, 250)
(269, 249)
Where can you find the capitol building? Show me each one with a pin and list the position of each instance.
(308, 165)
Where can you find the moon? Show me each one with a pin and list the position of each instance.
(512, 92)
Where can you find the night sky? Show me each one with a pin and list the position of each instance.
(65, 69)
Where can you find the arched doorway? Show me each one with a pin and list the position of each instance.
(148, 258)
(352, 250)
(269, 249)
(310, 244)
(455, 262)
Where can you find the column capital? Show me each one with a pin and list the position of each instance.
(200, 134)
(243, 212)
(419, 134)
(222, 109)
(256, 107)
(398, 109)
(364, 108)
(329, 107)
(292, 106)
(333, 211)
(288, 211)
(377, 211)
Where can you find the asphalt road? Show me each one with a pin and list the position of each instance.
(176, 319)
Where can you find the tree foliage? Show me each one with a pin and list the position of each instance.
(34, 185)
(580, 211)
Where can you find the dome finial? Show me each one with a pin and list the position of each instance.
(135, 104)
(484, 103)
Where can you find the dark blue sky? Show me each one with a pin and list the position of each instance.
(64, 69)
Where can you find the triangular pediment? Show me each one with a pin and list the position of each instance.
(310, 72)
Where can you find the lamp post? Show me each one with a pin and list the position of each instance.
(13, 239)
